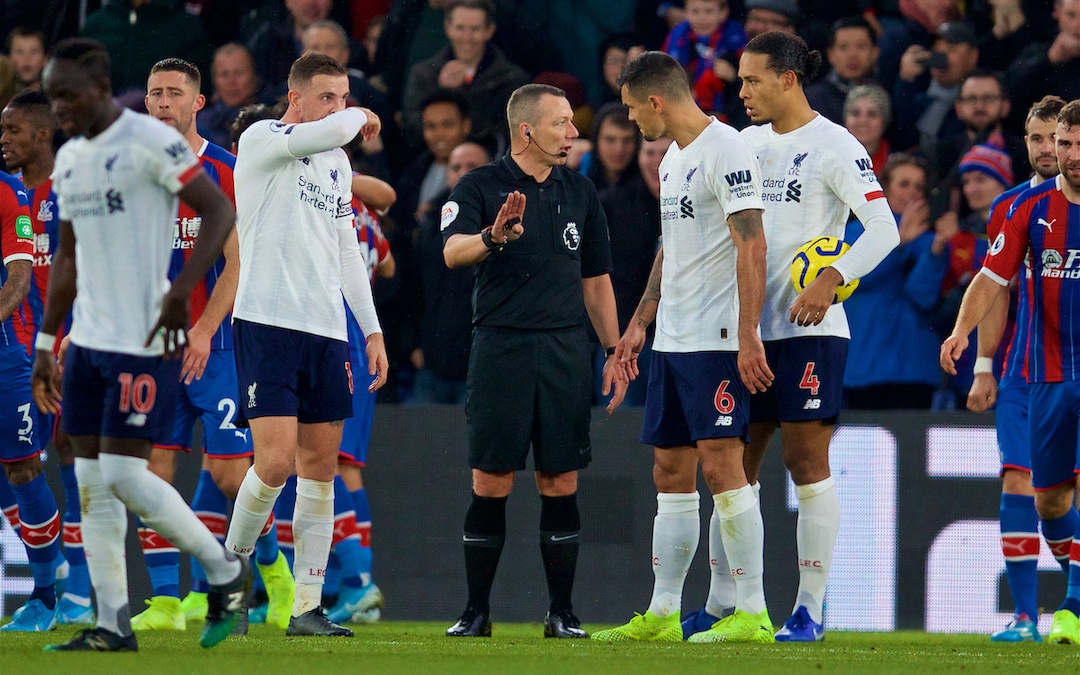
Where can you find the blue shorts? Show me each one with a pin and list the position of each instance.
(694, 396)
(1011, 419)
(357, 432)
(809, 380)
(212, 400)
(1053, 413)
(19, 417)
(118, 395)
(288, 373)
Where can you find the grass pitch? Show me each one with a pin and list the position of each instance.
(409, 647)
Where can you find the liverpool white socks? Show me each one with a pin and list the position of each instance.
(104, 526)
(254, 503)
(818, 524)
(743, 535)
(313, 532)
(162, 508)
(676, 530)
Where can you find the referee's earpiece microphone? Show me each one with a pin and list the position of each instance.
(528, 134)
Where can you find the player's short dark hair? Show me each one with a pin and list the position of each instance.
(522, 107)
(851, 22)
(90, 55)
(987, 74)
(786, 52)
(250, 114)
(485, 6)
(1070, 114)
(35, 103)
(24, 32)
(901, 159)
(174, 65)
(655, 73)
(1046, 109)
(454, 98)
(311, 64)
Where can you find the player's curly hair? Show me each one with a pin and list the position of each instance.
(1070, 114)
(787, 52)
(91, 55)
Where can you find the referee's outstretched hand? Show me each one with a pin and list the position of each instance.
(507, 226)
(378, 364)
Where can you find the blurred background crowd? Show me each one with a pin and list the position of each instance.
(936, 90)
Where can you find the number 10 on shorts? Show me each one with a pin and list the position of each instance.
(137, 393)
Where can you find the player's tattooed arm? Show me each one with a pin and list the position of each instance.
(746, 224)
(749, 239)
(633, 340)
(650, 299)
(17, 286)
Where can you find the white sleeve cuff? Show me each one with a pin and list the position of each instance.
(996, 277)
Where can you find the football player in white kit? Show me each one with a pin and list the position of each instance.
(814, 172)
(117, 182)
(707, 356)
(298, 255)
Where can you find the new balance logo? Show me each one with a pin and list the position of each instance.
(812, 404)
(686, 206)
(723, 421)
(794, 192)
(136, 420)
(864, 164)
(737, 178)
(1049, 226)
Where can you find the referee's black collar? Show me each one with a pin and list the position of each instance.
(519, 174)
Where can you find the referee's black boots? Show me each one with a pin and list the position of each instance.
(563, 624)
(471, 624)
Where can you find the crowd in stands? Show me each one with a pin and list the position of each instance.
(936, 90)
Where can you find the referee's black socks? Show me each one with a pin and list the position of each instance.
(483, 536)
(560, 524)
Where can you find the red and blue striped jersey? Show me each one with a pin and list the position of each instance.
(373, 244)
(1043, 221)
(45, 217)
(218, 163)
(1015, 363)
(16, 243)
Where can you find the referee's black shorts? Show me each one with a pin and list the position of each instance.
(529, 388)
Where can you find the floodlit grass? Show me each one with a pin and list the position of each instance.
(407, 647)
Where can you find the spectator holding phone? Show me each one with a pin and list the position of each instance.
(928, 113)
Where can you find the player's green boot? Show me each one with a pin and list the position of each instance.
(280, 588)
(194, 606)
(1064, 629)
(163, 613)
(742, 626)
(647, 627)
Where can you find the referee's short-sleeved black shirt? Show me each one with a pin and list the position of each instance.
(535, 282)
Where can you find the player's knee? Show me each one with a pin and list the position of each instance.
(228, 483)
(1015, 482)
(22, 472)
(1053, 504)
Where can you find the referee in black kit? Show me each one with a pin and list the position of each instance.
(537, 233)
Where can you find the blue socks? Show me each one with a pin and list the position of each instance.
(1059, 533)
(363, 524)
(346, 536)
(78, 581)
(162, 561)
(1020, 546)
(41, 534)
(211, 506)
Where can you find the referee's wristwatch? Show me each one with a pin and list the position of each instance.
(485, 236)
(609, 352)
